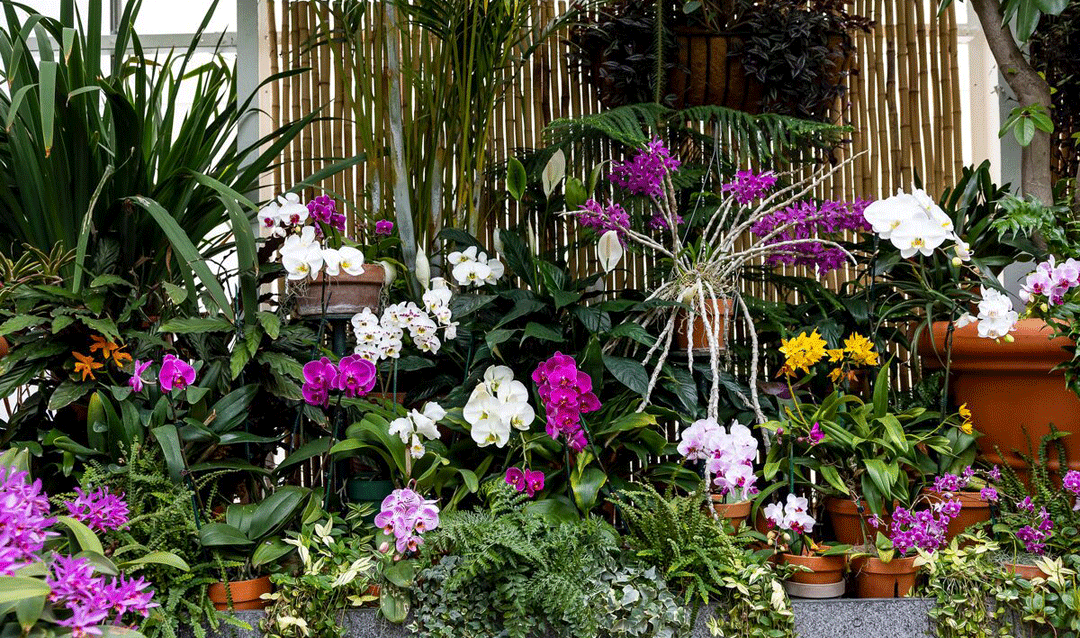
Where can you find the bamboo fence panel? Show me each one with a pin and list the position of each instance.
(903, 105)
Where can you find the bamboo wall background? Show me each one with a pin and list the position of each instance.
(903, 106)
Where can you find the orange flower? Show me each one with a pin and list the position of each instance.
(86, 365)
(101, 343)
(120, 358)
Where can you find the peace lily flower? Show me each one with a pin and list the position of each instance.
(610, 250)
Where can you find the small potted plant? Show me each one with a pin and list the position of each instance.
(250, 539)
(728, 455)
(889, 568)
(327, 270)
(819, 569)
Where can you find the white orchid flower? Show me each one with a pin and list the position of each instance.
(269, 217)
(416, 448)
(919, 235)
(886, 215)
(303, 264)
(490, 431)
(402, 428)
(424, 426)
(352, 260)
(497, 271)
(481, 405)
(610, 250)
(299, 242)
(513, 391)
(522, 416)
(434, 411)
(332, 260)
(291, 210)
(496, 376)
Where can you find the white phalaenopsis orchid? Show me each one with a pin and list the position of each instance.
(498, 405)
(996, 315)
(418, 426)
(302, 262)
(610, 250)
(381, 338)
(915, 224)
(471, 267)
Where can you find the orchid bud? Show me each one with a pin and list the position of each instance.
(1009, 338)
(1044, 307)
(956, 261)
(385, 547)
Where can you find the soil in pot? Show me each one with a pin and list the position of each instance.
(990, 377)
(715, 316)
(973, 511)
(245, 594)
(345, 294)
(825, 569)
(848, 522)
(875, 579)
(736, 513)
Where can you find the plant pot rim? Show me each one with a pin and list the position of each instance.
(1032, 348)
(874, 565)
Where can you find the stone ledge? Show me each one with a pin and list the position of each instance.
(837, 618)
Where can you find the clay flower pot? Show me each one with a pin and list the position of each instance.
(5, 347)
(825, 569)
(736, 513)
(246, 594)
(345, 294)
(875, 579)
(992, 377)
(973, 511)
(848, 523)
(1027, 572)
(701, 340)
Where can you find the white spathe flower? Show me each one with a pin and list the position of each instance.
(301, 264)
(389, 272)
(422, 269)
(610, 250)
(351, 260)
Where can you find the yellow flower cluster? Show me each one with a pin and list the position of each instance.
(802, 352)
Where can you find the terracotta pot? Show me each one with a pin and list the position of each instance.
(5, 347)
(992, 377)
(736, 513)
(246, 594)
(848, 524)
(826, 569)
(701, 341)
(346, 294)
(707, 73)
(875, 579)
(973, 511)
(1027, 572)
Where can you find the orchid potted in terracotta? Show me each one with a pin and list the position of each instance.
(728, 456)
(820, 567)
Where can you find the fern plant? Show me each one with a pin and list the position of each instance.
(693, 553)
(511, 571)
(163, 516)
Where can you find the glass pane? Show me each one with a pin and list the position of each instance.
(162, 16)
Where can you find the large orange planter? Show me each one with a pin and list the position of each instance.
(825, 569)
(1010, 388)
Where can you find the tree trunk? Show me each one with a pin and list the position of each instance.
(1030, 88)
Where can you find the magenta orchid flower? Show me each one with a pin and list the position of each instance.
(356, 376)
(320, 376)
(99, 510)
(567, 394)
(175, 373)
(136, 381)
(384, 227)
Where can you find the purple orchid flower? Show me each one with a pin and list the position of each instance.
(136, 381)
(356, 376)
(384, 227)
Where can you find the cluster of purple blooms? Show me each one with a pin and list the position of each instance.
(924, 529)
(406, 515)
(805, 221)
(1034, 536)
(353, 375)
(324, 209)
(567, 394)
(1051, 280)
(952, 483)
(645, 172)
(175, 374)
(602, 218)
(90, 599)
(1071, 483)
(748, 185)
(525, 480)
(100, 510)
